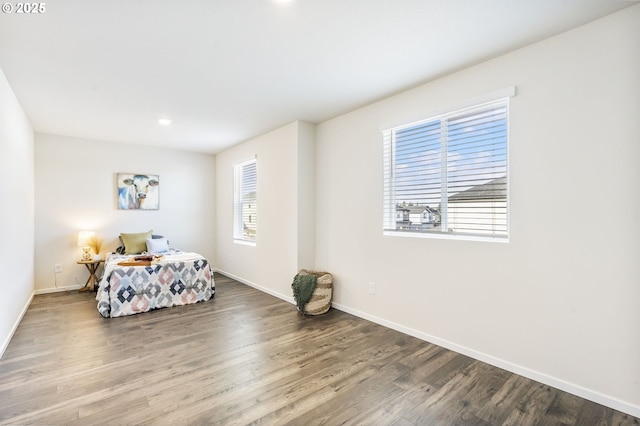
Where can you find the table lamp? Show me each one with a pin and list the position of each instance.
(84, 241)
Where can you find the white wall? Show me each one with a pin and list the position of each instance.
(285, 178)
(75, 182)
(16, 212)
(306, 196)
(559, 302)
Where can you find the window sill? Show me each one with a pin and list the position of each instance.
(444, 236)
(245, 242)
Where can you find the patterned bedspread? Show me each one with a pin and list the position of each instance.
(178, 278)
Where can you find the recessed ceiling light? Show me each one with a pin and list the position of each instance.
(164, 121)
(282, 2)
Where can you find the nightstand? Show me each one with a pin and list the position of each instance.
(92, 266)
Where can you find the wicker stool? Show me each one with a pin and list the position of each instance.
(320, 301)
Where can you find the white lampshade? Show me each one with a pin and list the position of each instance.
(85, 237)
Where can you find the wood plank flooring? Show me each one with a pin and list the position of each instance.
(246, 357)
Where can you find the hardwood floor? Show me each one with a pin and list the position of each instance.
(247, 357)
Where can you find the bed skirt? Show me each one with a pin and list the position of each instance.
(178, 279)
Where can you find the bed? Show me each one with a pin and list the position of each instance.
(170, 278)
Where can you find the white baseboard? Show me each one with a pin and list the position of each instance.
(554, 382)
(258, 287)
(57, 289)
(5, 344)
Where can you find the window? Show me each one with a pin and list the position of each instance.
(447, 175)
(245, 188)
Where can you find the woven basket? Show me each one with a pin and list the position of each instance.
(320, 301)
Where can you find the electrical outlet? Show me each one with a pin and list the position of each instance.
(58, 268)
(372, 287)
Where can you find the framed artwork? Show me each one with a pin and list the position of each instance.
(138, 191)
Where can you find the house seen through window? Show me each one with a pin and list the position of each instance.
(448, 174)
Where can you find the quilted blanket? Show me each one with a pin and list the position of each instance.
(178, 278)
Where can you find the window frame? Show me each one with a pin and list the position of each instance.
(391, 201)
(241, 232)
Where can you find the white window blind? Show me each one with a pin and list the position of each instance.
(448, 174)
(245, 189)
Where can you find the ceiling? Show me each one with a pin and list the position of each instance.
(225, 71)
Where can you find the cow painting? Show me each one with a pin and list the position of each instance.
(138, 192)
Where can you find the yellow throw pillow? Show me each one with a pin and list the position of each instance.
(135, 243)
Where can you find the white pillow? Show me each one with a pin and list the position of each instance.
(157, 245)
